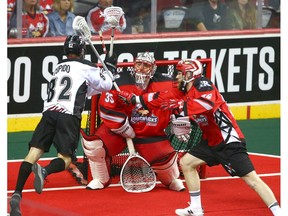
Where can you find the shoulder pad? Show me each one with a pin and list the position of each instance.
(203, 84)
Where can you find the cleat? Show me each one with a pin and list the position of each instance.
(189, 212)
(39, 173)
(177, 185)
(15, 205)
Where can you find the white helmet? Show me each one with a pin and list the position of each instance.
(144, 69)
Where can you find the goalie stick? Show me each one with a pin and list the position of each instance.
(136, 175)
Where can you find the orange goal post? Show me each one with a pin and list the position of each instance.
(166, 67)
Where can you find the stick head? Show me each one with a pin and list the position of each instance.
(80, 26)
(113, 15)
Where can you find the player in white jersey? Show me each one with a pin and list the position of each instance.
(73, 80)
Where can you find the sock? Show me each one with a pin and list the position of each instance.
(56, 165)
(275, 209)
(195, 199)
(24, 172)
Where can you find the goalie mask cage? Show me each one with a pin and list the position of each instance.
(167, 68)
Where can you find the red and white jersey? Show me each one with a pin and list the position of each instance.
(204, 104)
(46, 6)
(10, 8)
(36, 25)
(145, 124)
(96, 22)
(72, 81)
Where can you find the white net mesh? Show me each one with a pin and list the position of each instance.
(113, 15)
(81, 27)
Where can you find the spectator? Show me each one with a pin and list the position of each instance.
(61, 19)
(96, 22)
(242, 13)
(10, 8)
(209, 15)
(34, 22)
(46, 6)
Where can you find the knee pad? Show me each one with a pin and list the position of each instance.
(168, 170)
(93, 149)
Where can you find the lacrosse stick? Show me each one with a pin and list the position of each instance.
(102, 41)
(112, 16)
(145, 178)
(136, 174)
(80, 26)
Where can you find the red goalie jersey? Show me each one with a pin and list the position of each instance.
(145, 124)
(204, 104)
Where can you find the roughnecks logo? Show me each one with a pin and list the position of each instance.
(138, 116)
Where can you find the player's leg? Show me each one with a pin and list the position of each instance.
(40, 142)
(263, 190)
(24, 172)
(189, 164)
(168, 173)
(197, 156)
(65, 138)
(163, 158)
(96, 154)
(99, 148)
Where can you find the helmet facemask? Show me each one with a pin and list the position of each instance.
(144, 70)
(189, 70)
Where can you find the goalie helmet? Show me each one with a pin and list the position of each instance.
(190, 69)
(75, 45)
(144, 69)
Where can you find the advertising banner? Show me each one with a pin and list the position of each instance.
(244, 69)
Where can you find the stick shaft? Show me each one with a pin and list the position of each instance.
(102, 62)
(130, 146)
(102, 41)
(112, 42)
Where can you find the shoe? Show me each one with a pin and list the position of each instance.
(96, 184)
(39, 173)
(177, 185)
(188, 211)
(15, 205)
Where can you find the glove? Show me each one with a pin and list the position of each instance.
(111, 63)
(172, 104)
(126, 97)
(181, 127)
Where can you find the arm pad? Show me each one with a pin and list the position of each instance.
(125, 130)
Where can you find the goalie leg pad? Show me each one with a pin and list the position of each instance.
(168, 173)
(97, 161)
(100, 175)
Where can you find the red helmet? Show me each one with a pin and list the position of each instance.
(190, 65)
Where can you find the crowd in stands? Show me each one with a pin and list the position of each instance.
(46, 18)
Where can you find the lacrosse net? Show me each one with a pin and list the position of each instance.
(166, 67)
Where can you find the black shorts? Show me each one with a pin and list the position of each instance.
(233, 157)
(61, 130)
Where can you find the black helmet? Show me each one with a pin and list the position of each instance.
(74, 45)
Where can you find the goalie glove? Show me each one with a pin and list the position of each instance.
(125, 130)
(111, 62)
(126, 97)
(181, 127)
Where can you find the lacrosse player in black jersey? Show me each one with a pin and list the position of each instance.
(73, 80)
